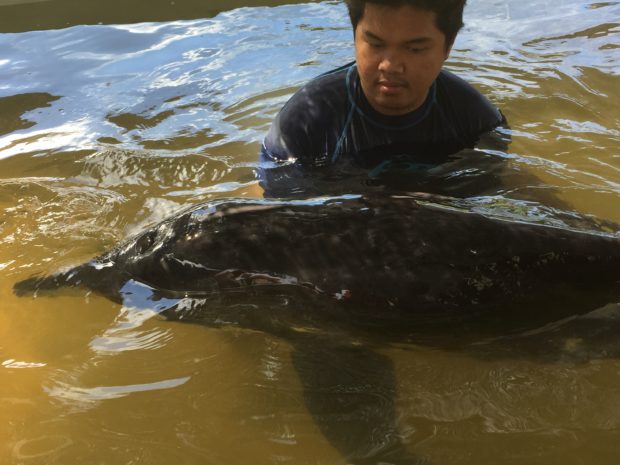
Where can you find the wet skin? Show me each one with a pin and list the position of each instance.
(387, 258)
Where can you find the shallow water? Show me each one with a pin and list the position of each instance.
(107, 128)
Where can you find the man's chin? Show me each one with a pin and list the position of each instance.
(391, 106)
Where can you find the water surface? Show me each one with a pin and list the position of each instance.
(114, 116)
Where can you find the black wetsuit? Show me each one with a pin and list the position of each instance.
(329, 119)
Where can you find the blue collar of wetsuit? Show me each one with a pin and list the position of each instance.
(359, 102)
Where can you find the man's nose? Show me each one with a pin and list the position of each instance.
(391, 62)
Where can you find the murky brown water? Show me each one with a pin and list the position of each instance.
(106, 128)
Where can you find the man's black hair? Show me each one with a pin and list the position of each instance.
(448, 13)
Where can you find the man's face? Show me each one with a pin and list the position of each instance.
(399, 53)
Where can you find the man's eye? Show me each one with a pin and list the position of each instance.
(375, 44)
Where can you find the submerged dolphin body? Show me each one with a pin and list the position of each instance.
(391, 255)
(356, 263)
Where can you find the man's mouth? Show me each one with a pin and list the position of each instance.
(388, 86)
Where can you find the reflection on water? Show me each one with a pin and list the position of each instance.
(106, 129)
(87, 395)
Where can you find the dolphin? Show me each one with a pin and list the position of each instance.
(310, 270)
(388, 258)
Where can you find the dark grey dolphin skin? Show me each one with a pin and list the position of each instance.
(393, 255)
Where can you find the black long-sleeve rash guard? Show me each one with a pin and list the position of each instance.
(329, 119)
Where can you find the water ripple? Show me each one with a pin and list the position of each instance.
(99, 393)
(155, 70)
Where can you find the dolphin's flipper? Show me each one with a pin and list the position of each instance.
(349, 391)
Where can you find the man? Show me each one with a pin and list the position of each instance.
(394, 101)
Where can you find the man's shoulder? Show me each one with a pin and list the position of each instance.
(456, 85)
(320, 92)
(459, 99)
(302, 125)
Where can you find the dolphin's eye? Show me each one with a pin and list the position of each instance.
(145, 242)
